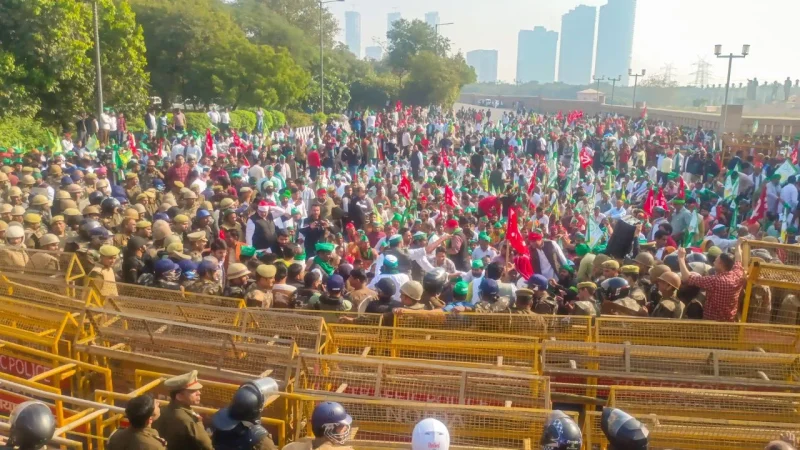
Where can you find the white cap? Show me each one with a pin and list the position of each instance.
(430, 434)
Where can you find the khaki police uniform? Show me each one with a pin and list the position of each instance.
(501, 305)
(670, 308)
(181, 427)
(136, 439)
(105, 279)
(207, 287)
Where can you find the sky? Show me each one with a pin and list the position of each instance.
(676, 32)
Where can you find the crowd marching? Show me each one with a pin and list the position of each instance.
(408, 210)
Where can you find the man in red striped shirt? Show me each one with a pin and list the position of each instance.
(722, 288)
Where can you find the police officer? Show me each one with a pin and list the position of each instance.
(331, 426)
(543, 303)
(411, 296)
(238, 280)
(103, 273)
(180, 426)
(259, 294)
(207, 283)
(669, 306)
(524, 302)
(490, 300)
(585, 305)
(432, 285)
(32, 426)
(614, 293)
(197, 242)
(623, 431)
(430, 434)
(631, 273)
(560, 433)
(238, 426)
(33, 229)
(141, 412)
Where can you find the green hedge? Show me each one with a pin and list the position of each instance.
(25, 132)
(243, 120)
(298, 119)
(197, 121)
(278, 118)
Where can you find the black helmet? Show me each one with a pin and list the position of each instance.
(173, 211)
(327, 417)
(109, 205)
(246, 404)
(433, 282)
(671, 260)
(560, 433)
(696, 257)
(86, 226)
(623, 431)
(96, 198)
(386, 287)
(615, 288)
(32, 425)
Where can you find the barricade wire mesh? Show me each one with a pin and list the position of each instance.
(773, 274)
(44, 263)
(52, 292)
(425, 382)
(568, 328)
(168, 295)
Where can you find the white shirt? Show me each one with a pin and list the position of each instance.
(789, 195)
(112, 123)
(617, 213)
(419, 256)
(546, 268)
(773, 193)
(479, 253)
(213, 116)
(257, 172)
(225, 117)
(67, 145)
(177, 149)
(106, 119)
(398, 278)
(406, 139)
(194, 151)
(723, 244)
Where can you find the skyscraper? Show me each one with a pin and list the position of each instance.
(392, 18)
(536, 55)
(374, 52)
(615, 39)
(577, 45)
(352, 32)
(485, 64)
(432, 18)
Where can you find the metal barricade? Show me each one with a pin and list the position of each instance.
(63, 266)
(773, 283)
(713, 404)
(169, 295)
(309, 332)
(52, 292)
(693, 433)
(614, 364)
(698, 334)
(41, 327)
(567, 328)
(352, 376)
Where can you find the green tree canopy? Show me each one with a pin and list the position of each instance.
(407, 39)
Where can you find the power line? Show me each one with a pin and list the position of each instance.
(702, 72)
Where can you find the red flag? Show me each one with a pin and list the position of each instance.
(449, 198)
(160, 151)
(445, 160)
(586, 159)
(560, 116)
(794, 152)
(237, 141)
(644, 112)
(532, 184)
(132, 144)
(404, 188)
(649, 203)
(209, 143)
(718, 160)
(512, 232)
(398, 106)
(660, 200)
(681, 189)
(760, 209)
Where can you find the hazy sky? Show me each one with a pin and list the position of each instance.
(676, 32)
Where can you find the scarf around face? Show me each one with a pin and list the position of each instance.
(327, 268)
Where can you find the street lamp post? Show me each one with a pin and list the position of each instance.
(321, 59)
(731, 56)
(436, 28)
(99, 82)
(635, 82)
(614, 85)
(598, 79)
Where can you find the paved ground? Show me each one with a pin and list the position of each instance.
(496, 112)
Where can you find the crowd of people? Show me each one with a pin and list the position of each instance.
(411, 208)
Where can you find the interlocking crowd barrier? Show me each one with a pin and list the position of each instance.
(42, 327)
(63, 266)
(772, 292)
(544, 327)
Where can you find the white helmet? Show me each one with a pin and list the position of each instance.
(430, 434)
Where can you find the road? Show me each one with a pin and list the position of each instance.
(496, 112)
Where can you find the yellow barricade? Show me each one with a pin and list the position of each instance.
(50, 292)
(773, 283)
(369, 319)
(309, 332)
(63, 266)
(392, 421)
(698, 334)
(692, 433)
(169, 295)
(464, 348)
(240, 353)
(40, 327)
(612, 364)
(567, 328)
(712, 404)
(352, 376)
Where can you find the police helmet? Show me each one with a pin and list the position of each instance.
(173, 211)
(188, 269)
(430, 434)
(246, 404)
(32, 425)
(615, 288)
(433, 282)
(109, 205)
(163, 266)
(696, 257)
(623, 431)
(86, 226)
(671, 261)
(327, 418)
(560, 433)
(96, 198)
(386, 287)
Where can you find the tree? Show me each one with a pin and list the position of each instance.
(49, 43)
(337, 95)
(15, 99)
(407, 40)
(436, 80)
(304, 14)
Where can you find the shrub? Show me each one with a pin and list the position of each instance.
(136, 124)
(297, 119)
(25, 132)
(319, 118)
(197, 121)
(278, 118)
(243, 120)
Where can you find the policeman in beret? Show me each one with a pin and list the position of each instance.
(180, 426)
(610, 269)
(141, 412)
(103, 273)
(631, 273)
(259, 294)
(524, 302)
(585, 305)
